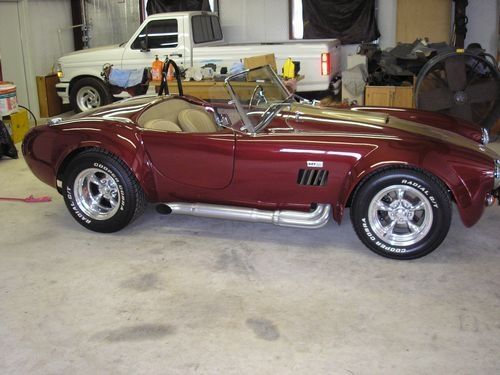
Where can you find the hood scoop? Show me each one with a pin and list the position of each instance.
(306, 112)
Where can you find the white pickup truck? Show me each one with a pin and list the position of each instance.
(190, 39)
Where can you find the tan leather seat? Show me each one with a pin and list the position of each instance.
(162, 125)
(196, 121)
(166, 110)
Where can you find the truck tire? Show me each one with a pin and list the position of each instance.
(89, 93)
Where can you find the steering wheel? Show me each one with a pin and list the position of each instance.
(268, 115)
(222, 120)
(258, 95)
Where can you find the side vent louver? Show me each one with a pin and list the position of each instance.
(312, 177)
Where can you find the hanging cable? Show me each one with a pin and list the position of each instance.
(31, 113)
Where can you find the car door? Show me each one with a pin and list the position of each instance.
(201, 160)
(287, 168)
(161, 37)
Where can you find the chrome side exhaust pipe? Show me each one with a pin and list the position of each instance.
(295, 219)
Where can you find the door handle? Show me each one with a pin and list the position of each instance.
(176, 54)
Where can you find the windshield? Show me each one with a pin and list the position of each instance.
(258, 95)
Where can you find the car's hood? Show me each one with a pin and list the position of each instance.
(92, 55)
(341, 122)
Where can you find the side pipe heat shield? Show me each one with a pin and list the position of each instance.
(295, 219)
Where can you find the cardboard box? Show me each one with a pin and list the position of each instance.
(17, 124)
(48, 100)
(257, 61)
(354, 60)
(353, 85)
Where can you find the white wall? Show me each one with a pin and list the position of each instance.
(38, 23)
(45, 18)
(386, 19)
(111, 22)
(266, 21)
(483, 23)
(254, 21)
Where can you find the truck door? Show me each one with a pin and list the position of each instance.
(157, 37)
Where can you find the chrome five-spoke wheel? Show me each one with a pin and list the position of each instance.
(88, 93)
(401, 215)
(101, 192)
(96, 194)
(88, 98)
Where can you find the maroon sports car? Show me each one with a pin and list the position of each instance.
(266, 156)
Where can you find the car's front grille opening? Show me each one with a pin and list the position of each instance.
(312, 177)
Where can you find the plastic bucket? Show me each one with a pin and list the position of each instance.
(8, 99)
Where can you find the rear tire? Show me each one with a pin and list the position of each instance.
(89, 93)
(401, 214)
(101, 192)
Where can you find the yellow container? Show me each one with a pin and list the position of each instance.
(289, 69)
(18, 124)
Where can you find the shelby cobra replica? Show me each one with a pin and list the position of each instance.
(265, 156)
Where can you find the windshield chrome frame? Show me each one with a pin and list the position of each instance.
(246, 121)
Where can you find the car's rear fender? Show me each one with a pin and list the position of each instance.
(125, 145)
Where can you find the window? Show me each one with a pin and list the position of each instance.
(206, 29)
(352, 21)
(158, 34)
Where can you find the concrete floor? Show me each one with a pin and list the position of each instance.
(182, 295)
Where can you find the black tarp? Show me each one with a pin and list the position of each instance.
(161, 6)
(7, 147)
(350, 21)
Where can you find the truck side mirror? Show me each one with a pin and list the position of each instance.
(144, 45)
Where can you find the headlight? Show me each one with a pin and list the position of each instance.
(485, 136)
(496, 174)
(60, 73)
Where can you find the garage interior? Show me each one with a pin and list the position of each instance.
(184, 295)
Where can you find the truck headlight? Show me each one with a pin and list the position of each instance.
(60, 72)
(496, 174)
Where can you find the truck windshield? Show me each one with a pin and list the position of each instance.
(258, 95)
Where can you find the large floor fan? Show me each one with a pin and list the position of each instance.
(463, 85)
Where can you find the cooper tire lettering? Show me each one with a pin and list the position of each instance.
(422, 189)
(124, 189)
(422, 199)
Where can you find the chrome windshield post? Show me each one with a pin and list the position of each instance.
(264, 75)
(248, 124)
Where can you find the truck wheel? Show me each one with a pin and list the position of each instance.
(401, 214)
(101, 192)
(89, 93)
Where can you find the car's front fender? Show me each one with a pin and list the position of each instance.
(465, 173)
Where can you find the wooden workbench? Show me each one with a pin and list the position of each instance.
(208, 90)
(211, 90)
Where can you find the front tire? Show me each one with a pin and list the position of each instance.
(101, 192)
(89, 93)
(401, 214)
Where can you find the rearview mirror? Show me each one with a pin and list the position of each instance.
(144, 45)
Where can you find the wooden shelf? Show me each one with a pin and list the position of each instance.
(389, 96)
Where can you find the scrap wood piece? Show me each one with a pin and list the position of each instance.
(30, 199)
